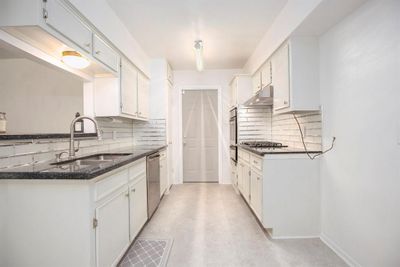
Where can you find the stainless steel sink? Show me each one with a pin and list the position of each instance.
(94, 159)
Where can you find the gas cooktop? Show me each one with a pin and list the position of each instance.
(262, 144)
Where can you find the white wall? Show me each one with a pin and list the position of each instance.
(291, 16)
(360, 78)
(38, 98)
(209, 78)
(101, 15)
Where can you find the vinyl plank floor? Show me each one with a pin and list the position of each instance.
(212, 226)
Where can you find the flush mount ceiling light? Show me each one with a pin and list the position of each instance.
(74, 60)
(198, 49)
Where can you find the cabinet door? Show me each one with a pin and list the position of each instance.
(105, 53)
(163, 173)
(112, 231)
(129, 88)
(240, 167)
(280, 69)
(266, 74)
(143, 96)
(256, 82)
(246, 183)
(137, 206)
(60, 18)
(256, 193)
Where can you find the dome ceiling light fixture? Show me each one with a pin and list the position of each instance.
(75, 60)
(198, 50)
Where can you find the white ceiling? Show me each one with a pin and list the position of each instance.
(230, 29)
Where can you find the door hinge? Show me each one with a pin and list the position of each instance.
(95, 222)
(45, 13)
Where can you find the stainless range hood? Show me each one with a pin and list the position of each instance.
(263, 97)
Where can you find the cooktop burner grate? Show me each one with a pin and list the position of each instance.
(263, 144)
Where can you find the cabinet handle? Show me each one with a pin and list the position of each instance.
(133, 190)
(127, 194)
(98, 52)
(255, 162)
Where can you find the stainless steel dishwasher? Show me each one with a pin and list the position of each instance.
(153, 183)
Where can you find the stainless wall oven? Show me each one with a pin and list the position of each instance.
(233, 134)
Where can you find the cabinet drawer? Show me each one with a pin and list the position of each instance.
(105, 53)
(138, 169)
(256, 162)
(110, 184)
(244, 155)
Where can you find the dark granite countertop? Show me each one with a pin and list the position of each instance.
(6, 137)
(47, 170)
(274, 151)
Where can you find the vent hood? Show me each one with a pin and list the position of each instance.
(263, 97)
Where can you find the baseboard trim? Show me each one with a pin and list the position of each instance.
(340, 252)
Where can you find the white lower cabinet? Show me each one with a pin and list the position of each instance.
(244, 179)
(163, 173)
(137, 206)
(76, 222)
(283, 192)
(256, 187)
(112, 231)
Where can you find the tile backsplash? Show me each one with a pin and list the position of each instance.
(115, 134)
(150, 133)
(259, 123)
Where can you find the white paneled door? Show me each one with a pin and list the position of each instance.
(200, 135)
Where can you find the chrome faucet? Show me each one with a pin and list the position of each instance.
(72, 133)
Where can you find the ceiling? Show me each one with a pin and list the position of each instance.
(230, 29)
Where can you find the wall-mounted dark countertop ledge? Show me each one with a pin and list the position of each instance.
(47, 171)
(283, 150)
(6, 137)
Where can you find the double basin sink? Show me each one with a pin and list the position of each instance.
(93, 159)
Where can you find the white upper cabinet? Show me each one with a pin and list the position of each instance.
(58, 16)
(241, 89)
(143, 96)
(129, 88)
(295, 75)
(104, 53)
(256, 82)
(54, 26)
(266, 75)
(126, 96)
(280, 62)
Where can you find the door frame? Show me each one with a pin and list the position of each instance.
(180, 145)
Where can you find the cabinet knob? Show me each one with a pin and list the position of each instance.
(285, 102)
(98, 52)
(133, 190)
(127, 194)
